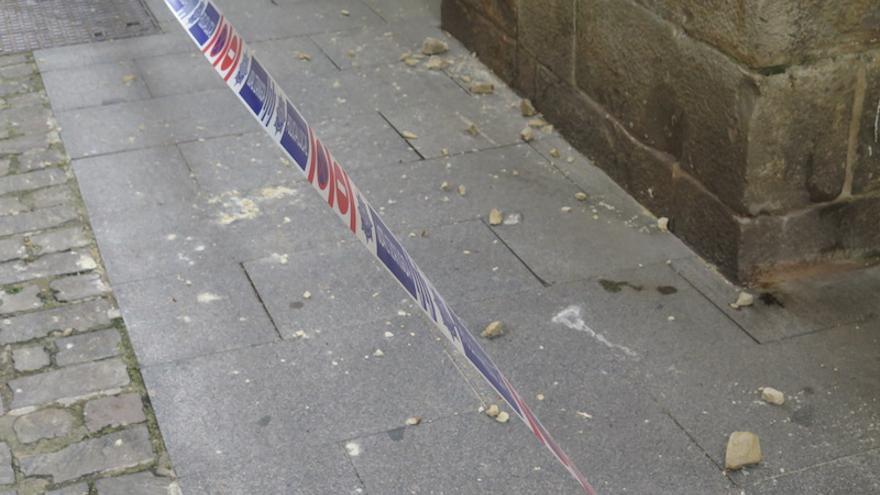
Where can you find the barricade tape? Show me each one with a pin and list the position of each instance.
(226, 50)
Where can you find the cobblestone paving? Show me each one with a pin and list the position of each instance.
(76, 419)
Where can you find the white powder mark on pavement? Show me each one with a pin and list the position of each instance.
(571, 317)
(353, 449)
(208, 297)
(279, 258)
(276, 192)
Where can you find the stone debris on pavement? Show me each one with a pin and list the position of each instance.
(437, 63)
(743, 300)
(537, 123)
(526, 108)
(772, 396)
(527, 134)
(565, 209)
(663, 224)
(482, 88)
(462, 190)
(434, 46)
(580, 196)
(493, 330)
(493, 411)
(409, 136)
(472, 129)
(512, 219)
(300, 55)
(307, 295)
(503, 417)
(743, 449)
(445, 186)
(378, 353)
(554, 152)
(495, 217)
(413, 421)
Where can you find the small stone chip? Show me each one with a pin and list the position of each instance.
(482, 88)
(307, 295)
(445, 186)
(743, 300)
(743, 449)
(495, 217)
(303, 56)
(566, 209)
(462, 190)
(410, 135)
(502, 417)
(433, 46)
(540, 396)
(378, 353)
(512, 219)
(663, 224)
(580, 196)
(444, 151)
(493, 411)
(527, 134)
(472, 129)
(413, 421)
(129, 78)
(537, 123)
(772, 396)
(493, 330)
(527, 109)
(554, 152)
(345, 12)
(436, 63)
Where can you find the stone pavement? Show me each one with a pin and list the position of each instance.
(255, 320)
(75, 415)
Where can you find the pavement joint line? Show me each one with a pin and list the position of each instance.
(260, 299)
(804, 469)
(400, 133)
(514, 253)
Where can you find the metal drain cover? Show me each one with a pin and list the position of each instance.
(31, 24)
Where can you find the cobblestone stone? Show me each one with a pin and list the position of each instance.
(20, 299)
(121, 410)
(39, 159)
(6, 474)
(20, 144)
(14, 59)
(17, 71)
(68, 384)
(79, 287)
(43, 424)
(138, 484)
(60, 240)
(87, 347)
(32, 180)
(11, 249)
(115, 451)
(28, 100)
(46, 266)
(78, 489)
(4, 166)
(37, 220)
(10, 205)
(76, 317)
(30, 358)
(51, 196)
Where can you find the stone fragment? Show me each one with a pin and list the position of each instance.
(565, 209)
(743, 300)
(409, 135)
(87, 347)
(436, 63)
(7, 476)
(527, 108)
(663, 224)
(76, 317)
(307, 295)
(503, 417)
(482, 88)
(493, 330)
(79, 287)
(743, 449)
(537, 123)
(772, 396)
(580, 196)
(527, 134)
(413, 421)
(17, 299)
(512, 219)
(495, 217)
(554, 152)
(344, 13)
(120, 410)
(462, 190)
(540, 396)
(129, 78)
(472, 129)
(434, 46)
(30, 358)
(378, 353)
(411, 61)
(67, 385)
(116, 451)
(303, 56)
(493, 411)
(43, 424)
(445, 186)
(144, 483)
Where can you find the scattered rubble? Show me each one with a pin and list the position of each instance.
(502, 417)
(344, 13)
(493, 411)
(409, 135)
(584, 415)
(580, 196)
(743, 300)
(527, 108)
(303, 56)
(663, 224)
(433, 46)
(472, 129)
(495, 217)
(437, 63)
(462, 190)
(128, 78)
(493, 330)
(413, 421)
(743, 449)
(772, 396)
(411, 61)
(554, 152)
(307, 295)
(445, 186)
(537, 123)
(482, 88)
(527, 134)
(566, 209)
(540, 396)
(378, 353)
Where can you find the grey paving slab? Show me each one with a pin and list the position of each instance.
(95, 85)
(37, 220)
(363, 140)
(155, 122)
(309, 470)
(90, 346)
(245, 162)
(486, 457)
(144, 483)
(428, 10)
(193, 312)
(68, 385)
(840, 477)
(78, 317)
(144, 178)
(275, 400)
(77, 489)
(119, 410)
(72, 57)
(45, 423)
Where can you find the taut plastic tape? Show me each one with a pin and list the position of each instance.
(250, 81)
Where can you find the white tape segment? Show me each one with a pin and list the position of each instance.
(253, 85)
